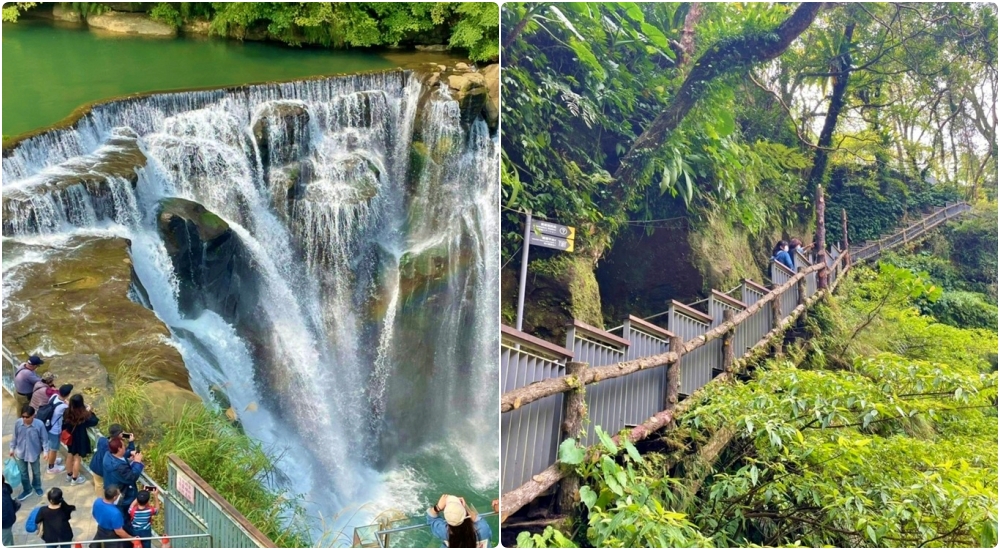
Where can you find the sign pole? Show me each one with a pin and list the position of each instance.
(524, 271)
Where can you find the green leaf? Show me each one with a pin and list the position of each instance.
(588, 496)
(609, 445)
(571, 453)
(725, 123)
(632, 451)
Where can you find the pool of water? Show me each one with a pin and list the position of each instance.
(49, 70)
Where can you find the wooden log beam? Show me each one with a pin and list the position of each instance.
(516, 499)
(524, 395)
(821, 278)
(574, 411)
(673, 376)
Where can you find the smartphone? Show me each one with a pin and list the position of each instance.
(149, 488)
(126, 435)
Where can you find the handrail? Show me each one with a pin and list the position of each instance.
(862, 252)
(519, 397)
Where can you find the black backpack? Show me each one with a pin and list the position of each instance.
(47, 411)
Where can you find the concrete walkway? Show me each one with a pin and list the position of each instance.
(81, 496)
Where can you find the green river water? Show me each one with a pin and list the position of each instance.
(49, 71)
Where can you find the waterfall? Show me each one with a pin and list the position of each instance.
(364, 238)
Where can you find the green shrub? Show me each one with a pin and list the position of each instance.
(964, 310)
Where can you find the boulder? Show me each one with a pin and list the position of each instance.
(88, 178)
(75, 305)
(130, 23)
(492, 108)
(167, 401)
(196, 27)
(211, 263)
(462, 67)
(281, 130)
(66, 13)
(85, 371)
(469, 90)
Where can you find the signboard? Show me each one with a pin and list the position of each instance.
(185, 487)
(554, 229)
(549, 241)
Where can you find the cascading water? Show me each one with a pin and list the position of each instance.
(358, 315)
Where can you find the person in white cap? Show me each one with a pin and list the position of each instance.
(457, 524)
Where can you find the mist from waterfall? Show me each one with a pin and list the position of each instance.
(363, 355)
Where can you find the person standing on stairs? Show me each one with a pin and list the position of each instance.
(76, 421)
(25, 378)
(782, 256)
(55, 424)
(26, 447)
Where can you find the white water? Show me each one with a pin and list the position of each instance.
(322, 261)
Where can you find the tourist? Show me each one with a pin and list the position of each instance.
(44, 390)
(27, 446)
(25, 378)
(115, 431)
(53, 520)
(118, 471)
(781, 255)
(61, 401)
(460, 526)
(796, 246)
(141, 514)
(77, 419)
(10, 508)
(110, 521)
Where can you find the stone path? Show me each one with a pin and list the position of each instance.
(81, 496)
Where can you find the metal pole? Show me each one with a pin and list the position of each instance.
(524, 271)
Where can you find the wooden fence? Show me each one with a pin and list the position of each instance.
(636, 376)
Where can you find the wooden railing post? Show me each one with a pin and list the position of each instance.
(574, 409)
(846, 249)
(728, 353)
(776, 315)
(801, 286)
(821, 278)
(673, 375)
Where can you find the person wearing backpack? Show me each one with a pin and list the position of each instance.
(77, 420)
(53, 419)
(26, 447)
(44, 390)
(25, 378)
(10, 508)
(54, 520)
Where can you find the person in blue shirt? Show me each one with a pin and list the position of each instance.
(110, 521)
(457, 524)
(782, 256)
(115, 431)
(27, 446)
(122, 473)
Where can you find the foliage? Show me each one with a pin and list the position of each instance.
(12, 10)
(964, 310)
(236, 466)
(129, 403)
(628, 505)
(974, 248)
(468, 26)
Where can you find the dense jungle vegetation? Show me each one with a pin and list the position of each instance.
(726, 116)
(467, 26)
(714, 124)
(879, 429)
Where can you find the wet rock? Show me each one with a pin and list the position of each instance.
(89, 179)
(470, 91)
(130, 23)
(211, 263)
(464, 67)
(492, 107)
(281, 130)
(75, 305)
(61, 12)
(196, 27)
(167, 401)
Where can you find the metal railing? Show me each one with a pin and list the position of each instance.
(530, 433)
(165, 540)
(385, 534)
(871, 250)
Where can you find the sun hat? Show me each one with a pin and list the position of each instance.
(454, 512)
